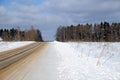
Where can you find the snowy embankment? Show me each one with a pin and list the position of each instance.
(4, 46)
(88, 61)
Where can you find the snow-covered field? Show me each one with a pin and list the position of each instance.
(4, 46)
(88, 61)
(104, 53)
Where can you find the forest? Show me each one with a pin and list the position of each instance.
(102, 32)
(20, 35)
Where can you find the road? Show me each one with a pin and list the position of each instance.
(15, 64)
(9, 57)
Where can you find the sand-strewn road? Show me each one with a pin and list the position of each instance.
(9, 57)
(24, 57)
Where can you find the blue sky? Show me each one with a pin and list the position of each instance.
(48, 15)
(25, 2)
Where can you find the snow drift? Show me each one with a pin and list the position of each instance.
(12, 45)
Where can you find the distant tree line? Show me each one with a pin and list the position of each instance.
(20, 35)
(103, 32)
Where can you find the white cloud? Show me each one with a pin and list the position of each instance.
(73, 11)
(2, 10)
(82, 5)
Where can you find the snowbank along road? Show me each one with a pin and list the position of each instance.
(61, 61)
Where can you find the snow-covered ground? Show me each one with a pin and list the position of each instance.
(104, 53)
(72, 61)
(88, 61)
(4, 46)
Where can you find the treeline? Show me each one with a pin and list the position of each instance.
(20, 35)
(103, 32)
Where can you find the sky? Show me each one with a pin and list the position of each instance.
(48, 15)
